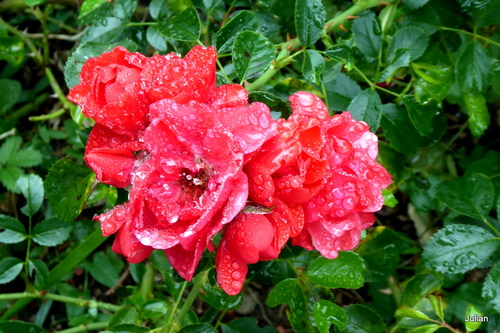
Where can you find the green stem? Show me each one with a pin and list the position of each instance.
(26, 261)
(48, 116)
(27, 108)
(176, 304)
(373, 85)
(197, 283)
(358, 7)
(61, 298)
(472, 34)
(57, 89)
(86, 327)
(147, 282)
(62, 25)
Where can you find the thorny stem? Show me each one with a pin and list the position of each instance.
(373, 85)
(27, 41)
(61, 298)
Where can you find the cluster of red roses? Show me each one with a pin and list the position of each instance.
(199, 160)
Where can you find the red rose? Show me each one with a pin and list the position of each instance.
(336, 214)
(109, 91)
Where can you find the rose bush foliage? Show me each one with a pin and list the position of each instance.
(199, 159)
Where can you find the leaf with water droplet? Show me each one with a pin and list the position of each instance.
(459, 248)
(362, 319)
(252, 54)
(408, 312)
(51, 232)
(471, 195)
(419, 286)
(327, 313)
(243, 21)
(67, 187)
(380, 250)
(491, 288)
(346, 271)
(281, 293)
(309, 20)
(217, 298)
(185, 27)
(367, 107)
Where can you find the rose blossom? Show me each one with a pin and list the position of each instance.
(319, 178)
(182, 158)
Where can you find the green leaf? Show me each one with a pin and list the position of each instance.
(491, 288)
(432, 81)
(327, 313)
(185, 27)
(362, 319)
(272, 101)
(217, 298)
(380, 252)
(411, 313)
(392, 162)
(9, 176)
(155, 308)
(346, 271)
(105, 268)
(343, 54)
(366, 30)
(243, 21)
(419, 286)
(299, 315)
(104, 31)
(198, 328)
(156, 39)
(479, 116)
(459, 248)
(124, 9)
(12, 50)
(367, 107)
(340, 92)
(309, 20)
(31, 187)
(25, 158)
(401, 59)
(412, 38)
(42, 272)
(472, 195)
(18, 326)
(246, 325)
(471, 313)
(252, 54)
(93, 10)
(67, 186)
(313, 67)
(485, 15)
(51, 232)
(473, 69)
(10, 269)
(11, 230)
(426, 329)
(438, 305)
(9, 148)
(125, 315)
(400, 131)
(281, 293)
(421, 115)
(415, 4)
(11, 90)
(389, 198)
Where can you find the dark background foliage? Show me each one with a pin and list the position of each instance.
(424, 74)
